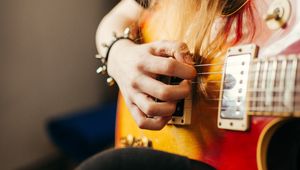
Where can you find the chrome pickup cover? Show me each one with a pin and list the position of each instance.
(232, 106)
(182, 114)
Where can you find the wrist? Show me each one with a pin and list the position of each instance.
(119, 47)
(117, 51)
(104, 69)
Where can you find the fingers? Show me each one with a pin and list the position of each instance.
(135, 77)
(152, 108)
(160, 90)
(156, 123)
(168, 67)
(178, 50)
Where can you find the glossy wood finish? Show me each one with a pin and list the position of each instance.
(225, 150)
(202, 140)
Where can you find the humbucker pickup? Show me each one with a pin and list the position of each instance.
(182, 114)
(233, 106)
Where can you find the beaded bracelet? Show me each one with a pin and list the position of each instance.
(103, 69)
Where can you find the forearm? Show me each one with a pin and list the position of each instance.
(122, 15)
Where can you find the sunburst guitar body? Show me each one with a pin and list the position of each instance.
(252, 123)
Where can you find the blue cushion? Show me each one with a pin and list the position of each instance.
(82, 134)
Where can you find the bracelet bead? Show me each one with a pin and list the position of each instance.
(103, 69)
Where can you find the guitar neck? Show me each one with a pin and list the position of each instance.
(274, 86)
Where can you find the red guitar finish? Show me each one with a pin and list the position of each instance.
(225, 149)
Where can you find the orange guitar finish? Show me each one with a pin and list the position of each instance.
(202, 140)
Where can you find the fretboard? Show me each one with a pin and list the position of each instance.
(274, 86)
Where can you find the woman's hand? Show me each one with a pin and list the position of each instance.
(135, 68)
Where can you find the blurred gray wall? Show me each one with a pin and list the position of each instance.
(47, 68)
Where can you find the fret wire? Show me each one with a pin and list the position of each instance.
(293, 84)
(282, 78)
(259, 84)
(271, 86)
(275, 79)
(254, 104)
(290, 85)
(251, 83)
(264, 79)
(297, 85)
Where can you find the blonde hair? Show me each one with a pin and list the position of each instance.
(200, 24)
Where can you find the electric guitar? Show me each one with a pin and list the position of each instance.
(252, 122)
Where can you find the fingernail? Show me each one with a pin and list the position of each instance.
(189, 59)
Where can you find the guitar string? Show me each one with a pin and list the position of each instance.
(261, 111)
(210, 81)
(207, 65)
(252, 108)
(277, 99)
(250, 70)
(262, 61)
(252, 90)
(209, 73)
(251, 73)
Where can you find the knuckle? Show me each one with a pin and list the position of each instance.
(173, 108)
(187, 88)
(149, 109)
(134, 82)
(141, 123)
(182, 46)
(185, 92)
(140, 65)
(170, 66)
(164, 94)
(161, 124)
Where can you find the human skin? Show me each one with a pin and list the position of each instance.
(136, 66)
